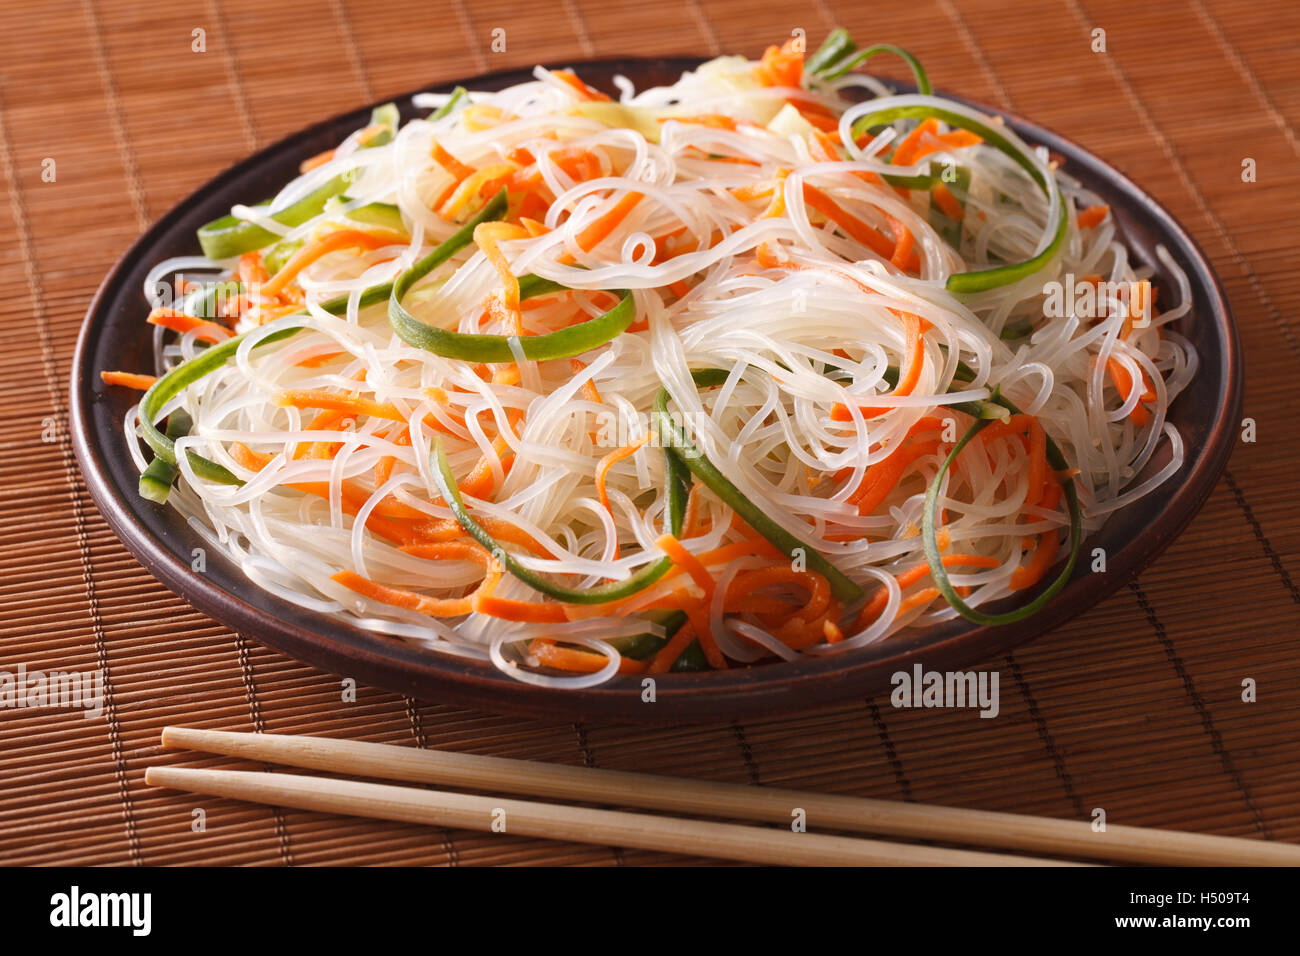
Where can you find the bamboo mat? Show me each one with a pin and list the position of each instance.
(1135, 708)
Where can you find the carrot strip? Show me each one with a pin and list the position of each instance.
(384, 467)
(1093, 216)
(448, 529)
(333, 401)
(914, 330)
(711, 120)
(433, 607)
(128, 380)
(487, 237)
(905, 154)
(781, 66)
(692, 512)
(536, 612)
(588, 387)
(705, 635)
(1124, 382)
(745, 584)
(252, 270)
(458, 170)
(330, 242)
(585, 92)
(958, 138)
(903, 243)
(1027, 575)
(593, 234)
(390, 529)
(906, 579)
(551, 654)
(483, 180)
(667, 655)
(851, 224)
(670, 546)
(182, 323)
(881, 478)
(613, 458)
(320, 159)
(947, 203)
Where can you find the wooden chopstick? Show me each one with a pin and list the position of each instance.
(769, 804)
(727, 841)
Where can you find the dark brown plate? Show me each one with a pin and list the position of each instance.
(115, 337)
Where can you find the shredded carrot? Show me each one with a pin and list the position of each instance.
(330, 242)
(585, 92)
(550, 654)
(1093, 216)
(458, 170)
(824, 146)
(479, 482)
(448, 529)
(1027, 575)
(882, 477)
(947, 203)
(670, 546)
(536, 612)
(906, 579)
(485, 180)
(1015, 425)
(903, 242)
(317, 359)
(711, 120)
(433, 607)
(776, 208)
(667, 655)
(855, 227)
(905, 154)
(252, 270)
(1124, 383)
(699, 619)
(602, 469)
(1142, 291)
(957, 138)
(334, 401)
(617, 455)
(320, 159)
(588, 387)
(384, 467)
(180, 322)
(593, 234)
(692, 512)
(487, 236)
(128, 380)
(781, 66)
(914, 331)
(534, 227)
(480, 116)
(746, 583)
(396, 531)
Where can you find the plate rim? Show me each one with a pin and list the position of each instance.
(406, 668)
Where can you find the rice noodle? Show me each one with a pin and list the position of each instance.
(796, 340)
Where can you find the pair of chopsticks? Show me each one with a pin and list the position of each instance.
(730, 841)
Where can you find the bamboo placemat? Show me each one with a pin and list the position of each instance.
(1136, 708)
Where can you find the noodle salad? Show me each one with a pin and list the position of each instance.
(767, 363)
